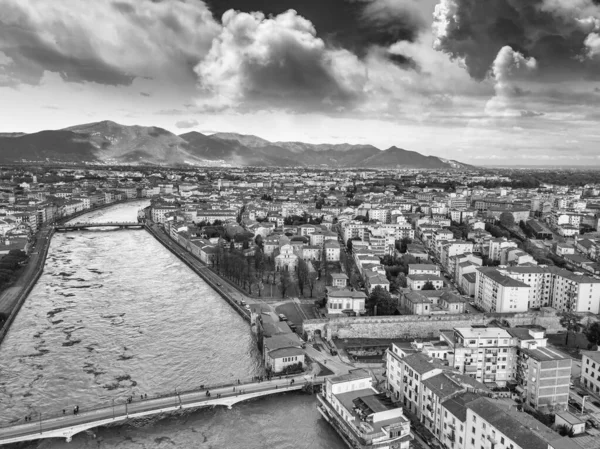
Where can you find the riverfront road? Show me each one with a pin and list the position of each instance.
(67, 425)
(10, 296)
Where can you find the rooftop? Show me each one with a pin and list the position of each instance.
(422, 363)
(546, 354)
(500, 278)
(523, 429)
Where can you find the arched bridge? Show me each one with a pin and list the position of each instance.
(85, 225)
(67, 424)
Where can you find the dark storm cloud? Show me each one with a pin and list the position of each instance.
(105, 42)
(403, 61)
(355, 25)
(553, 32)
(32, 55)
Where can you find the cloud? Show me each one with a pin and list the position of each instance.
(531, 114)
(508, 67)
(183, 124)
(551, 31)
(385, 22)
(4, 59)
(277, 62)
(104, 41)
(354, 25)
(592, 42)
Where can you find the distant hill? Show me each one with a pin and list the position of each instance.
(110, 142)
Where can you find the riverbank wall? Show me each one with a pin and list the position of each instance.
(30, 278)
(30, 282)
(199, 268)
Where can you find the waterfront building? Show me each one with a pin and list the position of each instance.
(362, 416)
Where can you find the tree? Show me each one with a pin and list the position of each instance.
(349, 243)
(259, 241)
(302, 275)
(285, 282)
(570, 322)
(403, 245)
(428, 286)
(507, 220)
(259, 263)
(398, 283)
(381, 302)
(311, 282)
(592, 333)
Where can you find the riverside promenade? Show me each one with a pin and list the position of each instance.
(67, 424)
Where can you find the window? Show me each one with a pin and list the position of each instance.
(473, 429)
(473, 441)
(502, 440)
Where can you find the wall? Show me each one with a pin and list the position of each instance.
(419, 326)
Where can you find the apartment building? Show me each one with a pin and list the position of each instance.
(494, 424)
(487, 354)
(497, 292)
(496, 247)
(159, 212)
(540, 281)
(590, 371)
(575, 292)
(423, 269)
(405, 374)
(454, 248)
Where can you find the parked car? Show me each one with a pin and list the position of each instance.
(282, 317)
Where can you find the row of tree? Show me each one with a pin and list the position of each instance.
(9, 264)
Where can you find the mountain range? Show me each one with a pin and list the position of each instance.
(107, 142)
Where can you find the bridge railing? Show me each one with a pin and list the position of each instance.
(120, 404)
(121, 411)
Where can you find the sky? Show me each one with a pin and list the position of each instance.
(487, 82)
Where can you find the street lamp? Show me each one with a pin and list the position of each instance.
(40, 422)
(113, 401)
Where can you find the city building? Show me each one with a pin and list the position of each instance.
(362, 416)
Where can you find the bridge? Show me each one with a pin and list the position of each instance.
(88, 225)
(65, 424)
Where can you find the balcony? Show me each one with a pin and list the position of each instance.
(451, 436)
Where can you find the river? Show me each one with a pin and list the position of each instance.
(115, 314)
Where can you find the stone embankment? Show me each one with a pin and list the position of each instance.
(421, 326)
(199, 268)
